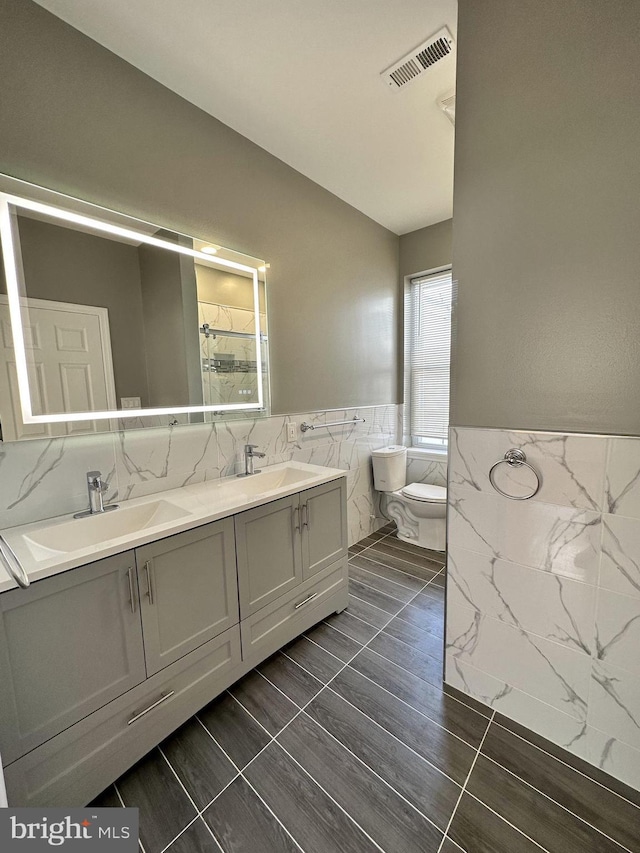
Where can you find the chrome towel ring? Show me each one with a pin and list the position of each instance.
(515, 458)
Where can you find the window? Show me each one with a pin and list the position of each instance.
(427, 344)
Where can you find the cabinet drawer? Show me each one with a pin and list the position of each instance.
(269, 629)
(74, 767)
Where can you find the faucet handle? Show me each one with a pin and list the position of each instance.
(94, 479)
(249, 447)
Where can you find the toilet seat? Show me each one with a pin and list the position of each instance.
(425, 492)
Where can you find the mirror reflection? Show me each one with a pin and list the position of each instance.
(124, 323)
(227, 329)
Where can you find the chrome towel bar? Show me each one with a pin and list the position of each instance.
(208, 332)
(305, 426)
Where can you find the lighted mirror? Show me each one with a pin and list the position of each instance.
(107, 321)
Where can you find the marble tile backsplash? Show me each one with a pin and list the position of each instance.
(431, 471)
(543, 595)
(44, 479)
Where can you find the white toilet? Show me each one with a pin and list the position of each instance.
(418, 509)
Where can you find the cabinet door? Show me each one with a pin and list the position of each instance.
(269, 553)
(188, 591)
(68, 645)
(324, 526)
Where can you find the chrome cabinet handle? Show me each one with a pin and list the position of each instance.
(306, 600)
(305, 515)
(159, 701)
(296, 519)
(147, 571)
(132, 595)
(12, 564)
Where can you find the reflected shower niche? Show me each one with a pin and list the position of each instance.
(230, 369)
(108, 322)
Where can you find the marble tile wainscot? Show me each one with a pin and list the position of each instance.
(543, 595)
(426, 468)
(46, 478)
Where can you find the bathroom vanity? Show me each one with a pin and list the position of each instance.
(118, 641)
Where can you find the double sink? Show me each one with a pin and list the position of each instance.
(45, 548)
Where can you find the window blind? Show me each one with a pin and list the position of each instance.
(427, 355)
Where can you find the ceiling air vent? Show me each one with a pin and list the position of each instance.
(412, 66)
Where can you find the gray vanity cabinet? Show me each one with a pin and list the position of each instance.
(188, 592)
(324, 526)
(268, 552)
(68, 645)
(289, 541)
(99, 663)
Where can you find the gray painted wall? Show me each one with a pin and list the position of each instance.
(164, 278)
(547, 216)
(80, 120)
(426, 249)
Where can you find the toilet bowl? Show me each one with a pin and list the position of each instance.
(420, 517)
(418, 509)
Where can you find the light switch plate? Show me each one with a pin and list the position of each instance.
(292, 432)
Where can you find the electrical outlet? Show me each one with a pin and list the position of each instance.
(292, 432)
(130, 402)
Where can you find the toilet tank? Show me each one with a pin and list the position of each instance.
(389, 468)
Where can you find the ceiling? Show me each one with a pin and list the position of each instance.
(301, 79)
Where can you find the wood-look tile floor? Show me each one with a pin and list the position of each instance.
(346, 742)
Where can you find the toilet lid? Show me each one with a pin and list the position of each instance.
(425, 492)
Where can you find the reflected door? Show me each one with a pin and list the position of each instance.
(70, 368)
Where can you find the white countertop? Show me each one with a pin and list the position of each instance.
(198, 504)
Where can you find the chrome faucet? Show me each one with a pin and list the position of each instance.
(96, 488)
(249, 455)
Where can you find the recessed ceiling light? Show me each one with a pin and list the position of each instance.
(209, 250)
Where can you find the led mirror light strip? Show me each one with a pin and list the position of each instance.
(256, 323)
(13, 295)
(118, 230)
(15, 312)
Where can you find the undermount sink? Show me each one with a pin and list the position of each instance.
(81, 533)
